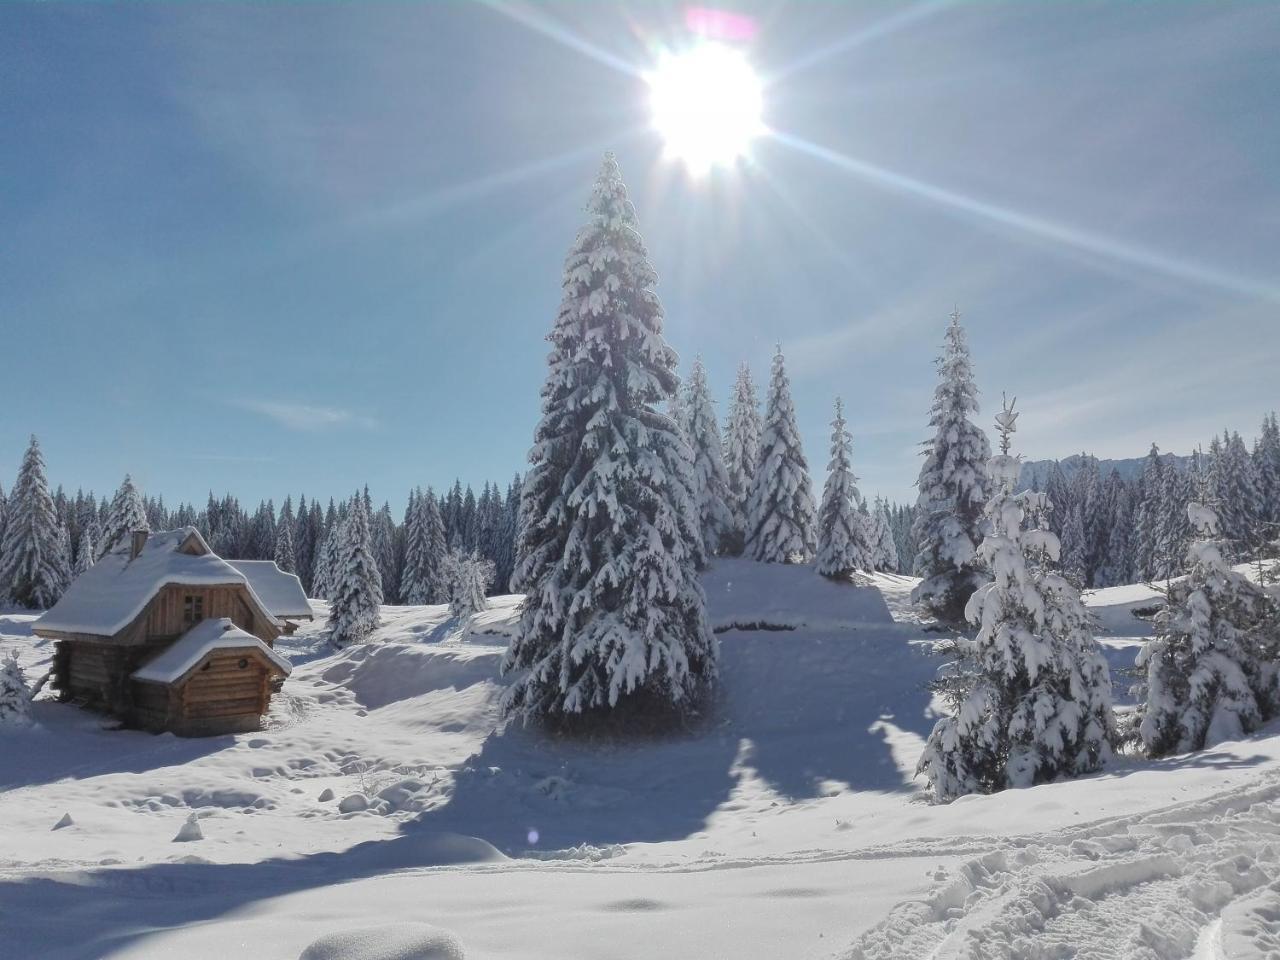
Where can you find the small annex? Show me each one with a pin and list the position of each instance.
(166, 635)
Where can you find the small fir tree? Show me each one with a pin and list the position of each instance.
(710, 481)
(469, 577)
(780, 525)
(33, 564)
(355, 609)
(843, 545)
(953, 488)
(1207, 677)
(424, 554)
(126, 514)
(15, 695)
(741, 454)
(1035, 701)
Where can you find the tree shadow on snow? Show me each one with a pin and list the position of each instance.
(813, 707)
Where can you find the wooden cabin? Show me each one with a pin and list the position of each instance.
(166, 635)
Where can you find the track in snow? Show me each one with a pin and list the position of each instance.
(1198, 879)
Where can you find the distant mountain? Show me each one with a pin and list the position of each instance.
(1036, 472)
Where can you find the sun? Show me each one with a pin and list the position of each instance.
(706, 105)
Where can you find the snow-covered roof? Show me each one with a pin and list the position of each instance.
(190, 648)
(106, 598)
(281, 592)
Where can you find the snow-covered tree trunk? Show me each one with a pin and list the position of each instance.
(741, 455)
(1208, 679)
(842, 534)
(33, 565)
(614, 617)
(780, 524)
(355, 609)
(953, 488)
(1034, 701)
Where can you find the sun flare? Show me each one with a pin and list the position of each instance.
(706, 104)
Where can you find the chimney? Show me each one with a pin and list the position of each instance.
(139, 541)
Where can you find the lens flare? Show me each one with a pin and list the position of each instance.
(706, 104)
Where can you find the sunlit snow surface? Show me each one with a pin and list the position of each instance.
(787, 825)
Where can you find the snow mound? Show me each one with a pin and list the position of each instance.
(397, 941)
(378, 674)
(425, 849)
(744, 594)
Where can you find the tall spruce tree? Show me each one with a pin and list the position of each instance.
(843, 545)
(710, 491)
(284, 555)
(425, 550)
(1035, 704)
(780, 512)
(1209, 675)
(127, 514)
(355, 607)
(953, 488)
(614, 618)
(741, 454)
(32, 563)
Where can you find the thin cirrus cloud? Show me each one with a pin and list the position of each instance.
(308, 418)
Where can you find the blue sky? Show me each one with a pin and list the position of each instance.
(287, 248)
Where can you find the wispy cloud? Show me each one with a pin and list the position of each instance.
(307, 417)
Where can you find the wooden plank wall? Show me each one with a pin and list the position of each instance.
(165, 615)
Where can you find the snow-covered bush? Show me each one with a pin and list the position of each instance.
(15, 695)
(614, 617)
(842, 527)
(780, 514)
(953, 488)
(1211, 667)
(1030, 693)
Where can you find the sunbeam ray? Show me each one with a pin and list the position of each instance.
(874, 31)
(1072, 237)
(539, 22)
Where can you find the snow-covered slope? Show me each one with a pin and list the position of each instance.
(384, 795)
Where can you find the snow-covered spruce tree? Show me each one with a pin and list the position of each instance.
(953, 488)
(32, 564)
(1036, 704)
(84, 555)
(284, 554)
(354, 610)
(780, 512)
(1266, 457)
(614, 618)
(842, 534)
(15, 695)
(1145, 542)
(710, 480)
(1206, 678)
(126, 514)
(884, 549)
(468, 577)
(741, 454)
(424, 552)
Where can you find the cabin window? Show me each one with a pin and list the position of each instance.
(243, 663)
(192, 608)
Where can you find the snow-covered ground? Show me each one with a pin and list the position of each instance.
(383, 797)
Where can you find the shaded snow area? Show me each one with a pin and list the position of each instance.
(384, 813)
